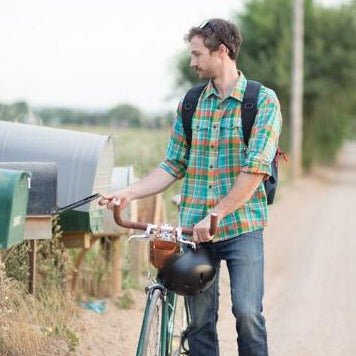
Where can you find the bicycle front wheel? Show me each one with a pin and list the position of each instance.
(150, 342)
(180, 318)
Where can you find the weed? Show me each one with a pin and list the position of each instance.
(125, 301)
(73, 339)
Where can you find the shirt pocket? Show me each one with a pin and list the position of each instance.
(201, 136)
(231, 137)
(231, 131)
(201, 127)
(231, 126)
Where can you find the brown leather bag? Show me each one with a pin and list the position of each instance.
(161, 251)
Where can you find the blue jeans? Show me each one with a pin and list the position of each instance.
(245, 260)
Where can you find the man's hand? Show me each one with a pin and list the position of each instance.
(155, 182)
(123, 198)
(201, 230)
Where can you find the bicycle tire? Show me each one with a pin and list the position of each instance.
(150, 338)
(181, 318)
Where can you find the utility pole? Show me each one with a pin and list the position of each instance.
(296, 109)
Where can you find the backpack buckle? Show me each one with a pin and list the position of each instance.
(249, 105)
(187, 106)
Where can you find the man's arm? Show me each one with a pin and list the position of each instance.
(242, 190)
(155, 182)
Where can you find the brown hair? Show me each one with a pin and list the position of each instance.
(216, 32)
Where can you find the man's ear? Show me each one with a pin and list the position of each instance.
(223, 49)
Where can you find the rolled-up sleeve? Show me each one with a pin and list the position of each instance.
(176, 159)
(263, 142)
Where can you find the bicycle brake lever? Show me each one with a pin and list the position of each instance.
(139, 237)
(184, 241)
(145, 235)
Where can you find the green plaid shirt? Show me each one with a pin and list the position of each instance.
(218, 154)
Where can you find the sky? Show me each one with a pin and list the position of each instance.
(94, 54)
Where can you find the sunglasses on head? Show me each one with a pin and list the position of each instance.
(208, 24)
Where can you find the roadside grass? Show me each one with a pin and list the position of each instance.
(29, 324)
(19, 331)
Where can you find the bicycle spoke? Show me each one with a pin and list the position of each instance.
(179, 326)
(154, 341)
(150, 338)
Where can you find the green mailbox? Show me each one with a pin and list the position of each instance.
(13, 206)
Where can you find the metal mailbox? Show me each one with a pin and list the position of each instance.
(13, 206)
(84, 164)
(42, 201)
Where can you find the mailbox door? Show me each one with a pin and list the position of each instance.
(75, 221)
(13, 206)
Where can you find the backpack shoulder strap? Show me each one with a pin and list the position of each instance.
(249, 107)
(190, 103)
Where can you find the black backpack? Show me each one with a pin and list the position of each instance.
(248, 114)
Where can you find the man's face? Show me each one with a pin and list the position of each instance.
(206, 64)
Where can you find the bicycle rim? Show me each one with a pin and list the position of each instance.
(180, 324)
(150, 338)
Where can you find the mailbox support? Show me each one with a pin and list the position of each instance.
(32, 267)
(116, 279)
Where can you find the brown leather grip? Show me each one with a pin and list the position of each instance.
(213, 224)
(126, 223)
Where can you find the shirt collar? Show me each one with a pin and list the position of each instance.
(237, 92)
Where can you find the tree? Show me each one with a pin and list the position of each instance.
(17, 111)
(125, 115)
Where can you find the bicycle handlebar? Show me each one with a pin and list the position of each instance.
(143, 226)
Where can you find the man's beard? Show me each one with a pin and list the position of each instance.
(203, 74)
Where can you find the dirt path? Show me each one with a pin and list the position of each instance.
(310, 298)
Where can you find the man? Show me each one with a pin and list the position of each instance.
(223, 176)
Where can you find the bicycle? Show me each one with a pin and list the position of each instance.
(166, 315)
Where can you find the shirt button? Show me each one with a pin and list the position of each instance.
(215, 126)
(210, 186)
(212, 146)
(211, 166)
